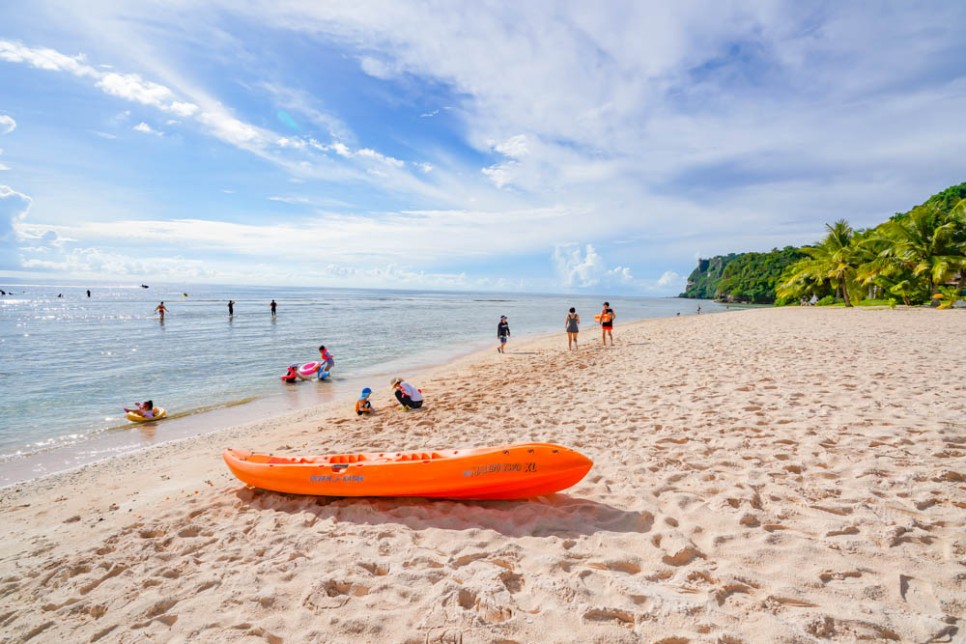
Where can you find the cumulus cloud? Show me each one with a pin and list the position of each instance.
(576, 267)
(13, 210)
(585, 267)
(670, 279)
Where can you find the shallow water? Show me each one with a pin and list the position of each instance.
(68, 365)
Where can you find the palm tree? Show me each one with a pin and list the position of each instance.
(928, 242)
(833, 261)
(838, 256)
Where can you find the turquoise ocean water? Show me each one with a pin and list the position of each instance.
(69, 364)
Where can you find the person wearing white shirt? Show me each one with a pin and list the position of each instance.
(408, 396)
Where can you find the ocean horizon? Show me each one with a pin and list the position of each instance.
(70, 363)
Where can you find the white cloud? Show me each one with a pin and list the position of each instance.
(678, 126)
(7, 124)
(500, 174)
(231, 130)
(366, 153)
(144, 128)
(379, 68)
(44, 59)
(576, 268)
(13, 210)
(289, 142)
(290, 200)
(515, 147)
(15, 204)
(620, 274)
(671, 280)
(132, 87)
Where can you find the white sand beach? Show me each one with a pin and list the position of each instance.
(785, 475)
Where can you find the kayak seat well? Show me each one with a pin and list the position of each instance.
(286, 460)
(418, 457)
(346, 458)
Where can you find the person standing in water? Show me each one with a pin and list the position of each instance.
(231, 308)
(161, 310)
(502, 332)
(326, 358)
(273, 306)
(572, 324)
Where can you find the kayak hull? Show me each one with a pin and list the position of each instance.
(507, 472)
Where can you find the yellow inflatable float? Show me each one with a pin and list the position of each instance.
(134, 416)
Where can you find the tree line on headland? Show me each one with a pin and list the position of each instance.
(915, 257)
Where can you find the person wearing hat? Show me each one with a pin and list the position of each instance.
(607, 324)
(363, 406)
(502, 332)
(407, 395)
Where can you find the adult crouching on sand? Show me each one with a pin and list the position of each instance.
(407, 395)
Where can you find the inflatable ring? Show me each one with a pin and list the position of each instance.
(309, 369)
(159, 413)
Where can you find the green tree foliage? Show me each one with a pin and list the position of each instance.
(703, 281)
(917, 256)
(833, 262)
(928, 241)
(910, 256)
(751, 277)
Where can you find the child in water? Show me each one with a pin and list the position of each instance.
(145, 409)
(363, 406)
(292, 375)
(326, 358)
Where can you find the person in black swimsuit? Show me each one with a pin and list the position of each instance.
(572, 324)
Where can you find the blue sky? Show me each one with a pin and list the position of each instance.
(541, 146)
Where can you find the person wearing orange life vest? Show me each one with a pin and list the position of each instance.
(607, 324)
(326, 358)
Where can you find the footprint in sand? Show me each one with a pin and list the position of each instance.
(918, 594)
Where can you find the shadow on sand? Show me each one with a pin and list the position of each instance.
(557, 515)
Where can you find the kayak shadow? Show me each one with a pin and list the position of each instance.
(554, 515)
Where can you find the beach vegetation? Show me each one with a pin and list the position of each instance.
(918, 257)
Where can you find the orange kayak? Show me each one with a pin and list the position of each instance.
(507, 472)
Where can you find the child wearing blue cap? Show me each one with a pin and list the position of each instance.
(363, 406)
